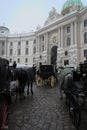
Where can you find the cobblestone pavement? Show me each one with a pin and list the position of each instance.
(42, 111)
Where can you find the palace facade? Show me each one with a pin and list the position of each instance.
(62, 40)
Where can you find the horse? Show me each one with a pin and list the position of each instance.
(23, 76)
(65, 80)
(31, 73)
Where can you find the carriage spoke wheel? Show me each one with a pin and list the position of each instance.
(38, 81)
(52, 81)
(75, 116)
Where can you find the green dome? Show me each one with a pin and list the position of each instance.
(69, 4)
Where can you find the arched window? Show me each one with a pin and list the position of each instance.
(34, 50)
(10, 60)
(85, 37)
(27, 42)
(19, 51)
(85, 53)
(11, 51)
(68, 29)
(2, 52)
(19, 43)
(68, 41)
(26, 51)
(43, 47)
(18, 60)
(85, 23)
(11, 43)
(26, 60)
(66, 53)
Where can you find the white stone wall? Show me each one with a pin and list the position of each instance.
(54, 35)
(22, 47)
(81, 37)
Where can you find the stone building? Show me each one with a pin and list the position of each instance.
(62, 40)
(17, 47)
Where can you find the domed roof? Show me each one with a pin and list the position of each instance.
(4, 30)
(69, 4)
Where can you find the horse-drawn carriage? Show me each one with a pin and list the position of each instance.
(4, 92)
(73, 82)
(46, 74)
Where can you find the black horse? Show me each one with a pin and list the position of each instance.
(31, 72)
(23, 76)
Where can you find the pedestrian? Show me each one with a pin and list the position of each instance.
(14, 64)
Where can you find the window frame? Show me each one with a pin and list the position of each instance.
(68, 41)
(85, 37)
(85, 23)
(26, 51)
(68, 29)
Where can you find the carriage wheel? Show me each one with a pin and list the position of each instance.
(75, 114)
(38, 81)
(52, 81)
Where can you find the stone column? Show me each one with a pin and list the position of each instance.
(47, 48)
(75, 34)
(72, 34)
(61, 37)
(46, 41)
(37, 44)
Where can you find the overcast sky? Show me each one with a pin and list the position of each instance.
(24, 15)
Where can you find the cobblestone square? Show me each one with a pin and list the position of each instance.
(42, 111)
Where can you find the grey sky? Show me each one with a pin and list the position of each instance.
(24, 15)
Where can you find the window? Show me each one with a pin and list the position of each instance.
(85, 37)
(85, 23)
(34, 40)
(34, 50)
(3, 43)
(11, 51)
(43, 38)
(68, 41)
(18, 60)
(2, 52)
(43, 47)
(26, 51)
(19, 43)
(19, 51)
(11, 43)
(66, 53)
(33, 59)
(26, 42)
(68, 29)
(66, 62)
(85, 53)
(10, 60)
(26, 60)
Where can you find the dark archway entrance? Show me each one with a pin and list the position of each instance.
(54, 55)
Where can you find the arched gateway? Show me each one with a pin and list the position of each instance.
(54, 55)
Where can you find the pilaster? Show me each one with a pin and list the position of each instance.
(72, 42)
(75, 34)
(61, 37)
